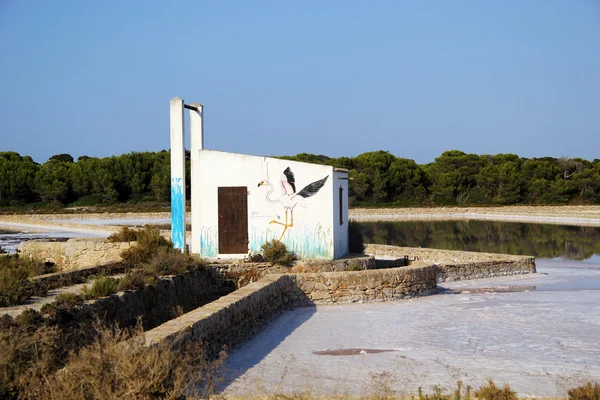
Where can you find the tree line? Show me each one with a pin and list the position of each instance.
(378, 178)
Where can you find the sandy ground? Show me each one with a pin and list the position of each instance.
(538, 332)
(564, 215)
(86, 224)
(109, 222)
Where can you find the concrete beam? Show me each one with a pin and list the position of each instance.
(196, 144)
(177, 174)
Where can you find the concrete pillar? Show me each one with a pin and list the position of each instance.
(177, 174)
(196, 144)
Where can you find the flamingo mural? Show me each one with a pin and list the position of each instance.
(289, 199)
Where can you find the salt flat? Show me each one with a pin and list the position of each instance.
(539, 332)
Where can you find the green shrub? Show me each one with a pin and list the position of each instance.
(35, 267)
(2, 251)
(255, 257)
(169, 261)
(29, 320)
(101, 287)
(355, 238)
(154, 254)
(124, 235)
(64, 303)
(149, 241)
(136, 279)
(15, 286)
(493, 392)
(275, 252)
(353, 266)
(585, 392)
(68, 300)
(43, 268)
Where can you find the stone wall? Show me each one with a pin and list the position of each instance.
(364, 286)
(484, 269)
(231, 319)
(156, 304)
(354, 262)
(74, 253)
(243, 273)
(455, 265)
(66, 278)
(237, 316)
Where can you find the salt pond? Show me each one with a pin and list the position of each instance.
(539, 332)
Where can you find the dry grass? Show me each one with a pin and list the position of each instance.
(26, 350)
(493, 392)
(588, 391)
(36, 362)
(380, 388)
(116, 365)
(111, 368)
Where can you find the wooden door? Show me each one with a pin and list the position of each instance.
(233, 220)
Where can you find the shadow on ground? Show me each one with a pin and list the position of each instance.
(277, 330)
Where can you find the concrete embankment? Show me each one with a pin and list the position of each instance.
(74, 253)
(237, 316)
(234, 318)
(454, 265)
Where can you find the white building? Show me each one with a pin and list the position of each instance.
(239, 202)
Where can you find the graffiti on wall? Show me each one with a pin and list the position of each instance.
(288, 197)
(177, 213)
(209, 241)
(305, 241)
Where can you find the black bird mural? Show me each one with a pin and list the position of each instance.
(289, 198)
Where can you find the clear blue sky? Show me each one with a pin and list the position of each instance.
(415, 78)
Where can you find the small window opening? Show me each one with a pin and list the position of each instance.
(341, 208)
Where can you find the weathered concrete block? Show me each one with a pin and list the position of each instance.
(74, 253)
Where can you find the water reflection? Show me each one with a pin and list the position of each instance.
(539, 240)
(10, 240)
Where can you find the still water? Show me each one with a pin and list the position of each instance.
(10, 240)
(538, 240)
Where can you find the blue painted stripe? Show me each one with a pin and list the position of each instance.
(177, 213)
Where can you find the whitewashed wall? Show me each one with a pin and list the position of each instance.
(340, 232)
(312, 235)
